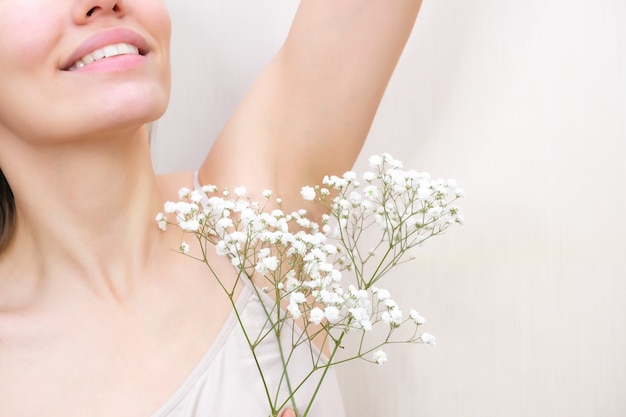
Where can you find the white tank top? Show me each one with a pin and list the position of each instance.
(226, 381)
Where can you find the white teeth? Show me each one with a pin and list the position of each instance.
(106, 52)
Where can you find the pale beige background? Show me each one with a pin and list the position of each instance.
(524, 103)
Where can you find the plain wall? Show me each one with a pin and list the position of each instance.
(524, 103)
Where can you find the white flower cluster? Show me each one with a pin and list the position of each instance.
(407, 206)
(321, 274)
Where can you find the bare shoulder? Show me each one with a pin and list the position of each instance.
(150, 345)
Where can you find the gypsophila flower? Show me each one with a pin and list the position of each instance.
(308, 193)
(195, 196)
(224, 223)
(417, 317)
(355, 197)
(183, 192)
(375, 161)
(240, 191)
(381, 293)
(184, 248)
(267, 264)
(394, 163)
(350, 176)
(294, 310)
(190, 225)
(221, 248)
(368, 176)
(372, 192)
(169, 207)
(359, 313)
(380, 357)
(208, 189)
(316, 315)
(297, 297)
(424, 193)
(323, 274)
(366, 325)
(428, 338)
(331, 313)
(161, 221)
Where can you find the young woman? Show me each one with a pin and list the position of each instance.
(98, 316)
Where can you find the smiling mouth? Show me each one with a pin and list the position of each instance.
(106, 52)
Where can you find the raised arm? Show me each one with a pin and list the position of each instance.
(310, 110)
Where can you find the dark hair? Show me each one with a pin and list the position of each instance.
(7, 212)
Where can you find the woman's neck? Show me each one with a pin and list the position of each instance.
(84, 210)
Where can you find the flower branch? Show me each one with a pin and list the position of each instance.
(320, 281)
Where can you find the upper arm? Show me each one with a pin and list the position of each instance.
(310, 110)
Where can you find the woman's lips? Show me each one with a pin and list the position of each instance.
(106, 52)
(109, 43)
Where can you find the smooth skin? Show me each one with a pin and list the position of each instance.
(96, 311)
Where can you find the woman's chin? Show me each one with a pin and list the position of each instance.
(133, 104)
